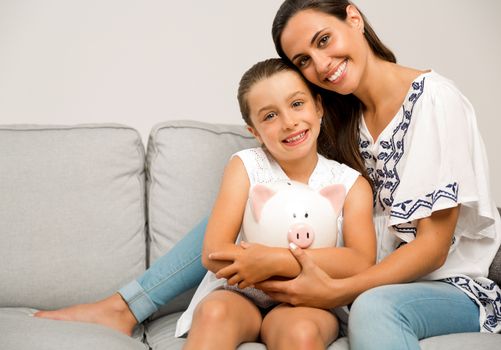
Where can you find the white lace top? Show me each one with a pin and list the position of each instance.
(262, 168)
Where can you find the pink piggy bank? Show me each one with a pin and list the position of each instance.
(283, 212)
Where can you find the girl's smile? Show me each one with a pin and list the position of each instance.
(296, 138)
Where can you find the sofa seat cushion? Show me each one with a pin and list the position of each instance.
(72, 213)
(20, 331)
(160, 336)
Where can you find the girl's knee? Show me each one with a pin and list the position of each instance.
(302, 332)
(299, 333)
(212, 311)
(374, 304)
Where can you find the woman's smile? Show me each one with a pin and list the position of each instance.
(338, 73)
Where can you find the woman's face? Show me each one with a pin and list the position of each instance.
(329, 52)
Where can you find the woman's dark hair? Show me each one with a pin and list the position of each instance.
(262, 70)
(339, 138)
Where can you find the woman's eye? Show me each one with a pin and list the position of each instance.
(323, 41)
(303, 61)
(297, 104)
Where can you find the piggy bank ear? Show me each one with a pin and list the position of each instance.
(336, 195)
(259, 195)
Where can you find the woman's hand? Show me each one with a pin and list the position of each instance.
(252, 264)
(312, 287)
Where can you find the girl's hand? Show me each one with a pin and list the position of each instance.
(252, 264)
(312, 287)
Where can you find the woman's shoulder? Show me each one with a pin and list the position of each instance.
(437, 86)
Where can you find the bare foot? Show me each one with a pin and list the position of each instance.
(112, 312)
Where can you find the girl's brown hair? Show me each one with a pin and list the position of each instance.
(342, 113)
(262, 70)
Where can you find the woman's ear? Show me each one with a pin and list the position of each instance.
(354, 18)
(254, 133)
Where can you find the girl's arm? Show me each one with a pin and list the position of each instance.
(258, 262)
(410, 262)
(227, 213)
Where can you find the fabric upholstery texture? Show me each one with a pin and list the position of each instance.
(72, 226)
(21, 332)
(72, 214)
(495, 269)
(185, 162)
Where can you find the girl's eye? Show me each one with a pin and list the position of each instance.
(297, 104)
(269, 116)
(323, 41)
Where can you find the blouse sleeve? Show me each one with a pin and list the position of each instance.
(443, 163)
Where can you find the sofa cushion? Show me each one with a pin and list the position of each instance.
(19, 331)
(183, 176)
(160, 336)
(184, 173)
(72, 214)
(495, 268)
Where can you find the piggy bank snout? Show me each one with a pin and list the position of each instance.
(301, 235)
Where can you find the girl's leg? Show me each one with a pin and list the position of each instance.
(223, 320)
(289, 327)
(398, 316)
(177, 271)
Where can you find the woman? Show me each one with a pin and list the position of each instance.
(418, 141)
(415, 137)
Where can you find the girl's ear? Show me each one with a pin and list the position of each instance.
(319, 106)
(254, 133)
(354, 18)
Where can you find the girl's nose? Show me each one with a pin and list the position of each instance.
(289, 121)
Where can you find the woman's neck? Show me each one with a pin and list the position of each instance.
(382, 92)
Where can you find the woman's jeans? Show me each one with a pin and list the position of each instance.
(395, 317)
(388, 317)
(175, 272)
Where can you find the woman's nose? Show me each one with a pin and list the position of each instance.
(321, 63)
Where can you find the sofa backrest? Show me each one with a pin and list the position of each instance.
(185, 163)
(72, 213)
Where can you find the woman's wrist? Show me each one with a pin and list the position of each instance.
(283, 263)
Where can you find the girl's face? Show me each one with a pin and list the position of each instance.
(285, 116)
(329, 52)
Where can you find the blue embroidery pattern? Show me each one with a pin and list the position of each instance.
(486, 296)
(405, 209)
(382, 169)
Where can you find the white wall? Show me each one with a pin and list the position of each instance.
(142, 62)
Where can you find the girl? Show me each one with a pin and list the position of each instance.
(285, 116)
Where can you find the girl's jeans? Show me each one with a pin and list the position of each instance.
(175, 272)
(395, 317)
(388, 317)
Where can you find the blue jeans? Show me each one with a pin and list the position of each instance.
(177, 271)
(397, 316)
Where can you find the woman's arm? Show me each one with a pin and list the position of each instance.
(416, 259)
(227, 213)
(258, 262)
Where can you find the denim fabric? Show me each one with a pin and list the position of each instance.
(177, 271)
(398, 316)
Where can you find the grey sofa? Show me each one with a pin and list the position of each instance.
(84, 209)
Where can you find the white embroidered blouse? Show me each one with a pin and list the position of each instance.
(431, 157)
